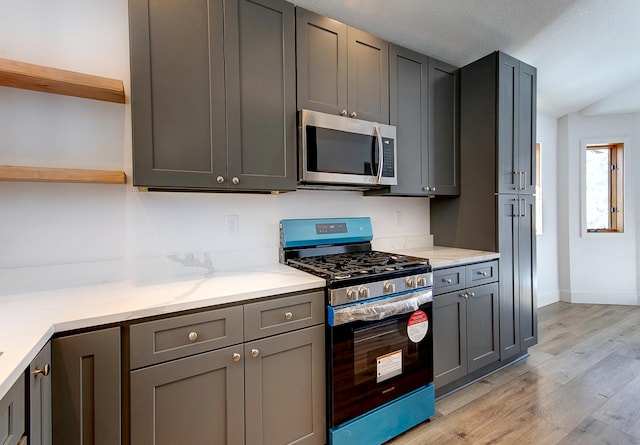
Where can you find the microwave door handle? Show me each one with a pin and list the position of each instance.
(376, 131)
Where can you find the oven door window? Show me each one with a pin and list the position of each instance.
(375, 362)
(335, 151)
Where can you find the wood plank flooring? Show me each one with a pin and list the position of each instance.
(580, 385)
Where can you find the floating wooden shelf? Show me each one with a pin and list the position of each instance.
(45, 174)
(52, 80)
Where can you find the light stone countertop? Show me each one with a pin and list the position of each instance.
(28, 320)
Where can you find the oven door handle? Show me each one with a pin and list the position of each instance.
(379, 309)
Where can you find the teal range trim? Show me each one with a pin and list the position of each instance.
(303, 233)
(387, 421)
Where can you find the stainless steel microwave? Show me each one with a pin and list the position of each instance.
(342, 151)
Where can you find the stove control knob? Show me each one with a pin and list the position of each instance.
(352, 294)
(389, 287)
(364, 292)
(421, 282)
(410, 282)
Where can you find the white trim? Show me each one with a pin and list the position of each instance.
(623, 298)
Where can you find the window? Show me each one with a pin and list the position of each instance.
(604, 187)
(538, 191)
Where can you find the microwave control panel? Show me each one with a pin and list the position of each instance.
(388, 150)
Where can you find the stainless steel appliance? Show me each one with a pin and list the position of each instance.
(379, 335)
(345, 152)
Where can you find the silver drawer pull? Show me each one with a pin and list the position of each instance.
(193, 336)
(472, 294)
(236, 357)
(464, 295)
(484, 274)
(255, 353)
(288, 315)
(447, 280)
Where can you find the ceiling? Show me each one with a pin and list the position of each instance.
(586, 51)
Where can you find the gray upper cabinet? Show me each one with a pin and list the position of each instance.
(40, 398)
(341, 70)
(213, 94)
(86, 388)
(424, 109)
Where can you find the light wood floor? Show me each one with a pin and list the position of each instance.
(580, 385)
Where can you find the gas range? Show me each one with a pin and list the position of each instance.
(339, 250)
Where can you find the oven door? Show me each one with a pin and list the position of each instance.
(385, 354)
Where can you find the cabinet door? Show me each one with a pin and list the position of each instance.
(483, 345)
(449, 338)
(509, 208)
(12, 414)
(285, 388)
(261, 94)
(40, 398)
(444, 148)
(194, 400)
(178, 92)
(527, 128)
(408, 112)
(86, 388)
(508, 85)
(322, 63)
(527, 273)
(368, 77)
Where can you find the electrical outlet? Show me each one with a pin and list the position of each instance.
(233, 224)
(398, 218)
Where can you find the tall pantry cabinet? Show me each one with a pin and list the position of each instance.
(496, 208)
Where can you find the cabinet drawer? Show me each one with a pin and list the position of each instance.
(448, 280)
(12, 414)
(482, 273)
(281, 315)
(167, 339)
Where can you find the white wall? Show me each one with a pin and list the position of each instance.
(59, 235)
(547, 242)
(596, 268)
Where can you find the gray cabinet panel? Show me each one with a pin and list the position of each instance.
(322, 62)
(12, 414)
(508, 85)
(527, 274)
(481, 273)
(508, 208)
(527, 127)
(449, 279)
(213, 94)
(444, 149)
(261, 85)
(40, 398)
(482, 326)
(285, 388)
(86, 388)
(283, 315)
(450, 338)
(198, 399)
(170, 338)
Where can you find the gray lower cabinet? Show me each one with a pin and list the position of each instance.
(250, 374)
(85, 373)
(213, 94)
(466, 321)
(40, 398)
(341, 70)
(12, 414)
(424, 109)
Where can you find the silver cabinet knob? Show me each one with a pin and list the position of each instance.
(433, 189)
(288, 315)
(484, 274)
(236, 357)
(352, 294)
(410, 282)
(446, 280)
(255, 353)
(426, 189)
(389, 287)
(219, 179)
(343, 113)
(364, 292)
(46, 369)
(472, 294)
(193, 336)
(353, 114)
(464, 295)
(235, 180)
(421, 282)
